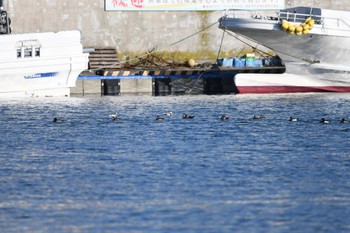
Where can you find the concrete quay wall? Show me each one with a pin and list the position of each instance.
(113, 87)
(132, 32)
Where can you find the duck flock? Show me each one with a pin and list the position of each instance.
(223, 117)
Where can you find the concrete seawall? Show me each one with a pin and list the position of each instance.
(113, 87)
(132, 32)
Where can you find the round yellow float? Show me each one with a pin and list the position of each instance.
(306, 27)
(300, 29)
(285, 25)
(306, 32)
(291, 28)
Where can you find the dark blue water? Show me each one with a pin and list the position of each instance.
(92, 174)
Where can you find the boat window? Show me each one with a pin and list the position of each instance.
(37, 52)
(28, 52)
(19, 53)
(28, 48)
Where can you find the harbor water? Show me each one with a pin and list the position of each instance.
(93, 174)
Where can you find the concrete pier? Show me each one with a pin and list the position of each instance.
(133, 86)
(87, 87)
(214, 80)
(155, 86)
(98, 86)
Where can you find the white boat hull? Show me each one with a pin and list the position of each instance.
(51, 73)
(317, 62)
(286, 83)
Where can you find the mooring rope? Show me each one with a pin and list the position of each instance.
(222, 41)
(193, 34)
(154, 51)
(258, 43)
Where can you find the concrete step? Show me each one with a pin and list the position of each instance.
(104, 58)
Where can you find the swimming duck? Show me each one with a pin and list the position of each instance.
(343, 120)
(324, 121)
(116, 118)
(56, 120)
(159, 118)
(293, 119)
(113, 115)
(168, 114)
(258, 117)
(186, 116)
(224, 117)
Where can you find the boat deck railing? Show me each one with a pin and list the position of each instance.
(325, 22)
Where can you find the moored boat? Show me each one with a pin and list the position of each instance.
(39, 64)
(316, 59)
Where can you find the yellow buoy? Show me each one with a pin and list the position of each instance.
(311, 23)
(306, 27)
(191, 63)
(285, 25)
(299, 29)
(291, 28)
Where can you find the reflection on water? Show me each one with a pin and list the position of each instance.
(92, 174)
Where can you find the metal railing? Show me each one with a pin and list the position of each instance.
(325, 22)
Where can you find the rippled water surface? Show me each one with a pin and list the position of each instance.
(92, 174)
